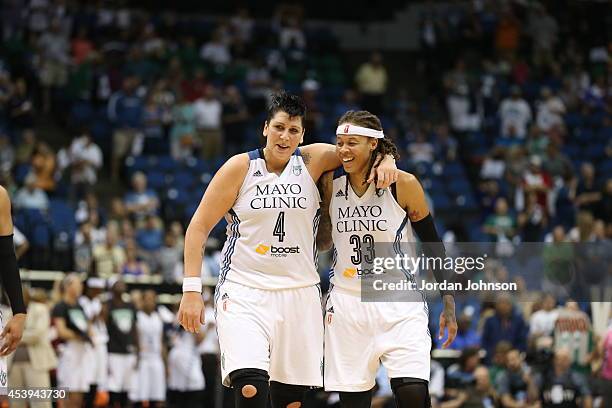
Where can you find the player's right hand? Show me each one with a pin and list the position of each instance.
(191, 311)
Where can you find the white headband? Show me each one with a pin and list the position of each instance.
(348, 129)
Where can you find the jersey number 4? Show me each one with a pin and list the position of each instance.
(279, 227)
(364, 246)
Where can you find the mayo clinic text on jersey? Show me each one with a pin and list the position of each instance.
(278, 196)
(360, 218)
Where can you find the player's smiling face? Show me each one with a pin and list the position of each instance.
(354, 151)
(283, 134)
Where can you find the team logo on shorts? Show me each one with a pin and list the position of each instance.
(225, 299)
(349, 273)
(330, 314)
(297, 169)
(262, 249)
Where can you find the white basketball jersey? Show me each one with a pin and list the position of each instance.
(150, 328)
(272, 228)
(358, 223)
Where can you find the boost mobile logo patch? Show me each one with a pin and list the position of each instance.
(262, 249)
(349, 272)
(276, 251)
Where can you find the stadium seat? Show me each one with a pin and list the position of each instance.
(183, 180)
(573, 119)
(21, 172)
(136, 163)
(156, 180)
(41, 236)
(167, 164)
(459, 186)
(81, 113)
(441, 201)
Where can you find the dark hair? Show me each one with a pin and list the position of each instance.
(282, 101)
(466, 354)
(369, 120)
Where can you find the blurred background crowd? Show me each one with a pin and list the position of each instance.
(114, 117)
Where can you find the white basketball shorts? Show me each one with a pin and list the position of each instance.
(361, 335)
(74, 368)
(279, 331)
(149, 382)
(121, 368)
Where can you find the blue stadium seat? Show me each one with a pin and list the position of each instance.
(189, 211)
(583, 135)
(572, 150)
(596, 118)
(19, 220)
(41, 236)
(34, 216)
(594, 151)
(454, 169)
(167, 164)
(156, 180)
(198, 192)
(81, 113)
(136, 163)
(573, 119)
(177, 196)
(441, 202)
(606, 168)
(475, 233)
(62, 218)
(21, 172)
(605, 134)
(466, 201)
(184, 180)
(196, 165)
(459, 186)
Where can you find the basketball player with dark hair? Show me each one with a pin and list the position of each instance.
(12, 331)
(359, 335)
(268, 298)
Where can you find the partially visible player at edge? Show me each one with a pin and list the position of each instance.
(268, 299)
(11, 281)
(360, 335)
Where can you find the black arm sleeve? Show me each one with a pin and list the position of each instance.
(434, 248)
(10, 274)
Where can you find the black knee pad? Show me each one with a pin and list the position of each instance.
(356, 399)
(242, 379)
(283, 394)
(411, 392)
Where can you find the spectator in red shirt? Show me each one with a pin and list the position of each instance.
(537, 180)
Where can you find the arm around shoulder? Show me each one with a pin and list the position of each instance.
(324, 239)
(319, 158)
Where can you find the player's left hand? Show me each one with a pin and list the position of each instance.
(384, 171)
(448, 321)
(11, 335)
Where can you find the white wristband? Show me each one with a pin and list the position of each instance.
(192, 284)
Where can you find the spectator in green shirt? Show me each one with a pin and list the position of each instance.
(501, 224)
